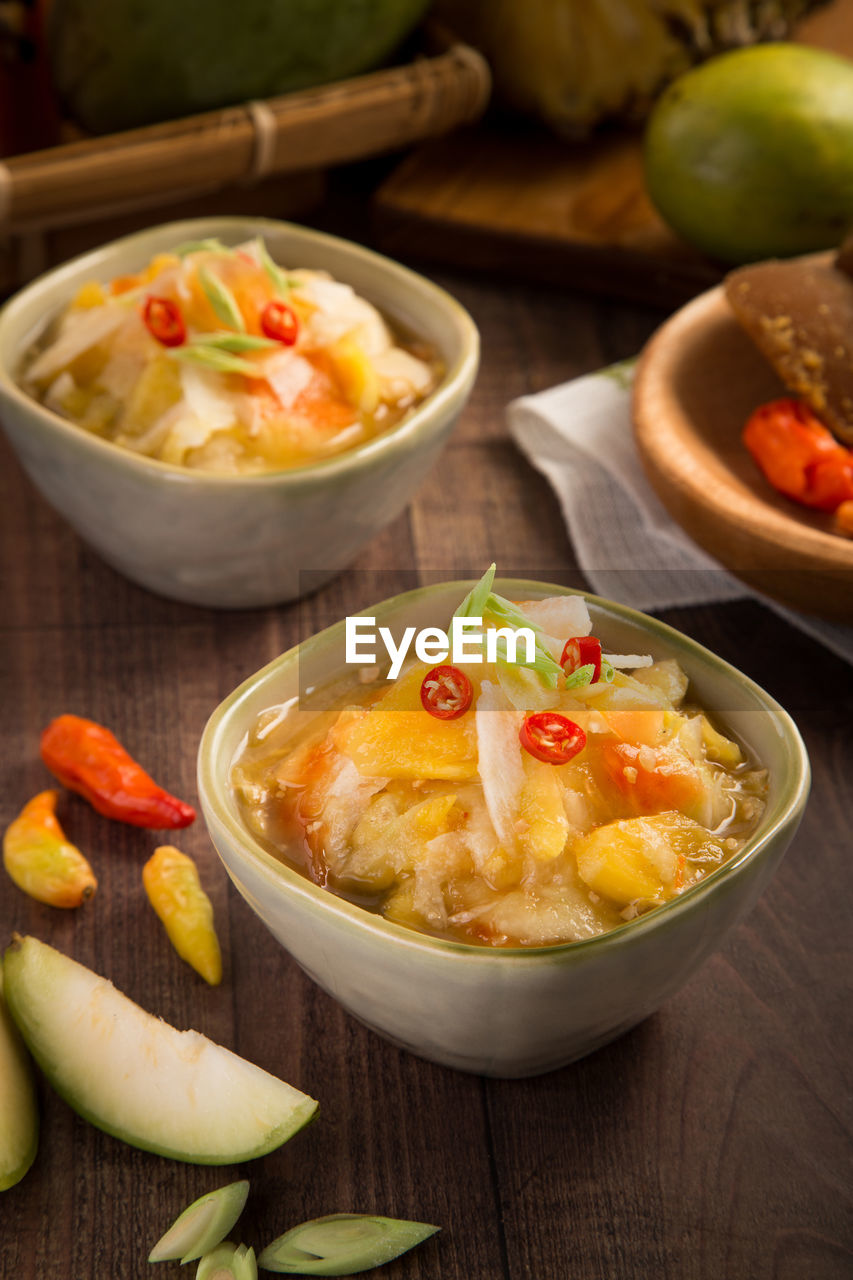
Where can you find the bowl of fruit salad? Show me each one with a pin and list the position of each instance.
(222, 405)
(501, 862)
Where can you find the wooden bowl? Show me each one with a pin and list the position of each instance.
(698, 379)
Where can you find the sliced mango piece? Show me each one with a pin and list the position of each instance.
(386, 743)
(543, 827)
(644, 727)
(718, 747)
(89, 295)
(614, 861)
(160, 262)
(654, 779)
(157, 389)
(355, 374)
(642, 858)
(666, 677)
(383, 846)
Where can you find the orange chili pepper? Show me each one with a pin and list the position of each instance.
(90, 760)
(798, 455)
(40, 859)
(174, 890)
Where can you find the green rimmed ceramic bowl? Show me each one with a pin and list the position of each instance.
(503, 1012)
(235, 541)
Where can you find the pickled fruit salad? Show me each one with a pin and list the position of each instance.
(218, 359)
(500, 803)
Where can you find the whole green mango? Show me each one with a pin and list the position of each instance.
(122, 63)
(750, 156)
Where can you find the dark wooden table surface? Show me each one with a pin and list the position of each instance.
(712, 1141)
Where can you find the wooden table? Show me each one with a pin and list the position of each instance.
(713, 1141)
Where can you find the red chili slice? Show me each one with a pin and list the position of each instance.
(164, 322)
(551, 737)
(279, 322)
(446, 693)
(582, 651)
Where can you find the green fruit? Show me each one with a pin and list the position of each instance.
(122, 63)
(172, 1092)
(19, 1121)
(750, 156)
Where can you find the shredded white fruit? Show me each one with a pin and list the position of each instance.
(559, 616)
(89, 328)
(627, 661)
(499, 755)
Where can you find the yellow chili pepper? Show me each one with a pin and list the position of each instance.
(41, 861)
(174, 891)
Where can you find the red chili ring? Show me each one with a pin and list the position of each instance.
(446, 693)
(551, 737)
(164, 321)
(279, 322)
(582, 651)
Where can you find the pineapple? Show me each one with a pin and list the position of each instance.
(575, 63)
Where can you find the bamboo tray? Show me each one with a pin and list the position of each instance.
(67, 198)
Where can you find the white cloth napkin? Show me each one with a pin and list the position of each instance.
(579, 436)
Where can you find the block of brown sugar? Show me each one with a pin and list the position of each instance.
(800, 315)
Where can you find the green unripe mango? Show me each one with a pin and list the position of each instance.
(122, 63)
(750, 155)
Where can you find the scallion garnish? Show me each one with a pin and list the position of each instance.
(342, 1244)
(578, 679)
(475, 601)
(277, 277)
(221, 299)
(234, 342)
(228, 1262)
(481, 600)
(202, 1225)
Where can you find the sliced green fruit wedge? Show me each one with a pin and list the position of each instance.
(202, 1225)
(342, 1244)
(19, 1117)
(172, 1092)
(228, 1262)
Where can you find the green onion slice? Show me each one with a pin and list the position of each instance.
(213, 358)
(481, 601)
(342, 1244)
(228, 1262)
(475, 602)
(234, 342)
(221, 299)
(277, 277)
(578, 679)
(202, 1224)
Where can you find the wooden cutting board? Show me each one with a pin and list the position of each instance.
(513, 199)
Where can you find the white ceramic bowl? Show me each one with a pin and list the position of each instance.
(235, 541)
(503, 1012)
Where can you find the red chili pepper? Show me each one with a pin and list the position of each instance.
(582, 651)
(446, 693)
(798, 455)
(90, 760)
(164, 321)
(279, 322)
(551, 737)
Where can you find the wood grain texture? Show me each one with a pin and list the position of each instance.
(712, 1141)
